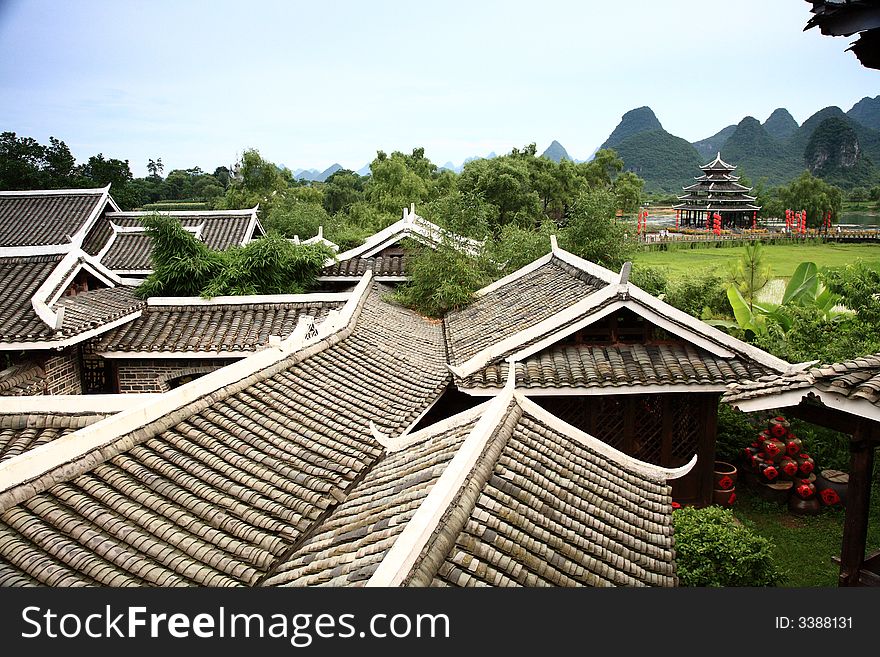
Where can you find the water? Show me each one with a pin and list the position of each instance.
(847, 220)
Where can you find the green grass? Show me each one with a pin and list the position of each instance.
(783, 259)
(804, 545)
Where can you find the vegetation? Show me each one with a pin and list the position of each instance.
(713, 549)
(185, 266)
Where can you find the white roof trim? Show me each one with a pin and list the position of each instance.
(78, 237)
(186, 213)
(317, 297)
(68, 341)
(179, 355)
(859, 407)
(377, 278)
(399, 560)
(33, 463)
(411, 225)
(101, 273)
(609, 389)
(710, 332)
(318, 239)
(55, 192)
(507, 345)
(654, 472)
(29, 251)
(519, 273)
(72, 404)
(586, 266)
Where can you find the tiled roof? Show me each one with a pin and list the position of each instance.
(552, 511)
(346, 549)
(45, 218)
(130, 251)
(624, 365)
(24, 275)
(19, 321)
(501, 495)
(509, 309)
(857, 379)
(211, 328)
(22, 379)
(19, 433)
(95, 308)
(382, 265)
(217, 498)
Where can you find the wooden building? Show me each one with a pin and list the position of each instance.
(607, 357)
(716, 191)
(844, 397)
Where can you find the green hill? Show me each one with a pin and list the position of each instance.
(835, 155)
(556, 152)
(869, 140)
(640, 119)
(664, 161)
(758, 155)
(780, 124)
(708, 147)
(866, 112)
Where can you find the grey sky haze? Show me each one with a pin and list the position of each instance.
(312, 83)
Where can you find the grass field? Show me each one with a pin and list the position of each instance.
(804, 545)
(783, 259)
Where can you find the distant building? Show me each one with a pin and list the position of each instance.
(717, 191)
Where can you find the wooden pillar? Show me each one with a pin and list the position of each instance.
(706, 453)
(858, 494)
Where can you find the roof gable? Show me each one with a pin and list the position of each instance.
(562, 316)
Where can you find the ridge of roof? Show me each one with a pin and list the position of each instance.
(410, 225)
(311, 297)
(36, 471)
(55, 192)
(134, 214)
(467, 472)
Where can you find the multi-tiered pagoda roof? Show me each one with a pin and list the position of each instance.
(717, 190)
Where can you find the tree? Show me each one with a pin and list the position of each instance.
(184, 266)
(628, 192)
(27, 164)
(750, 273)
(815, 196)
(258, 182)
(593, 232)
(342, 189)
(290, 216)
(155, 167)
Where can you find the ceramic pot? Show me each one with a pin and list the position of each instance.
(778, 427)
(810, 506)
(725, 476)
(724, 498)
(831, 486)
(776, 492)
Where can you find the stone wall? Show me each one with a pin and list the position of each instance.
(157, 375)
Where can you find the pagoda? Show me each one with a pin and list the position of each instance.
(717, 191)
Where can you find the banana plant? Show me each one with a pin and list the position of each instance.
(804, 290)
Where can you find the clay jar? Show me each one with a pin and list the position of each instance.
(724, 476)
(774, 448)
(831, 487)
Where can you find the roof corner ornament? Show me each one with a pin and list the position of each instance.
(510, 383)
(59, 319)
(554, 245)
(381, 438)
(625, 272)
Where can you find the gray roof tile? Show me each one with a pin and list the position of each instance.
(44, 219)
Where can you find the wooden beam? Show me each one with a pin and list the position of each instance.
(855, 527)
(709, 415)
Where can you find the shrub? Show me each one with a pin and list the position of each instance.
(735, 432)
(652, 280)
(701, 296)
(713, 550)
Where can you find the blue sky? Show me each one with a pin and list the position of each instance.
(312, 83)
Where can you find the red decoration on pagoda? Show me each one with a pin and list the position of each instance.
(754, 219)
